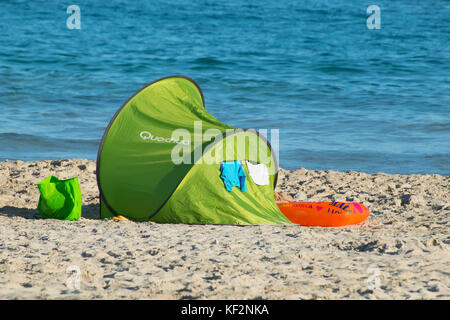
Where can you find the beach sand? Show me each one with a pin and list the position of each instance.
(400, 252)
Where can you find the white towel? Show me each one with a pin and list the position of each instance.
(258, 173)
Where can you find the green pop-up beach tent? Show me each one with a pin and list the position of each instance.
(159, 160)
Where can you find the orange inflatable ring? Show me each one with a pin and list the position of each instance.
(324, 214)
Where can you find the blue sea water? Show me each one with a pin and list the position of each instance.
(343, 96)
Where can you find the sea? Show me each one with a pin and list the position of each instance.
(349, 85)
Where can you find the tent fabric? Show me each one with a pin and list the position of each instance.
(139, 179)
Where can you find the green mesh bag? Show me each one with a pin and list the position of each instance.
(60, 199)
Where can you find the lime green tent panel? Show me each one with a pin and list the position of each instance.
(159, 158)
(203, 192)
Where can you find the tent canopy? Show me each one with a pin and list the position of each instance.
(160, 157)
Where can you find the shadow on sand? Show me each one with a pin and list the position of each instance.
(90, 211)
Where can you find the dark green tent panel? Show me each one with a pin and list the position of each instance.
(160, 156)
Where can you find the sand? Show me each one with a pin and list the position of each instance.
(400, 252)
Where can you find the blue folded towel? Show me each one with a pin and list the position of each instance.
(233, 175)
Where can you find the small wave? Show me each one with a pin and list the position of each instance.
(211, 62)
(10, 141)
(428, 127)
(337, 69)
